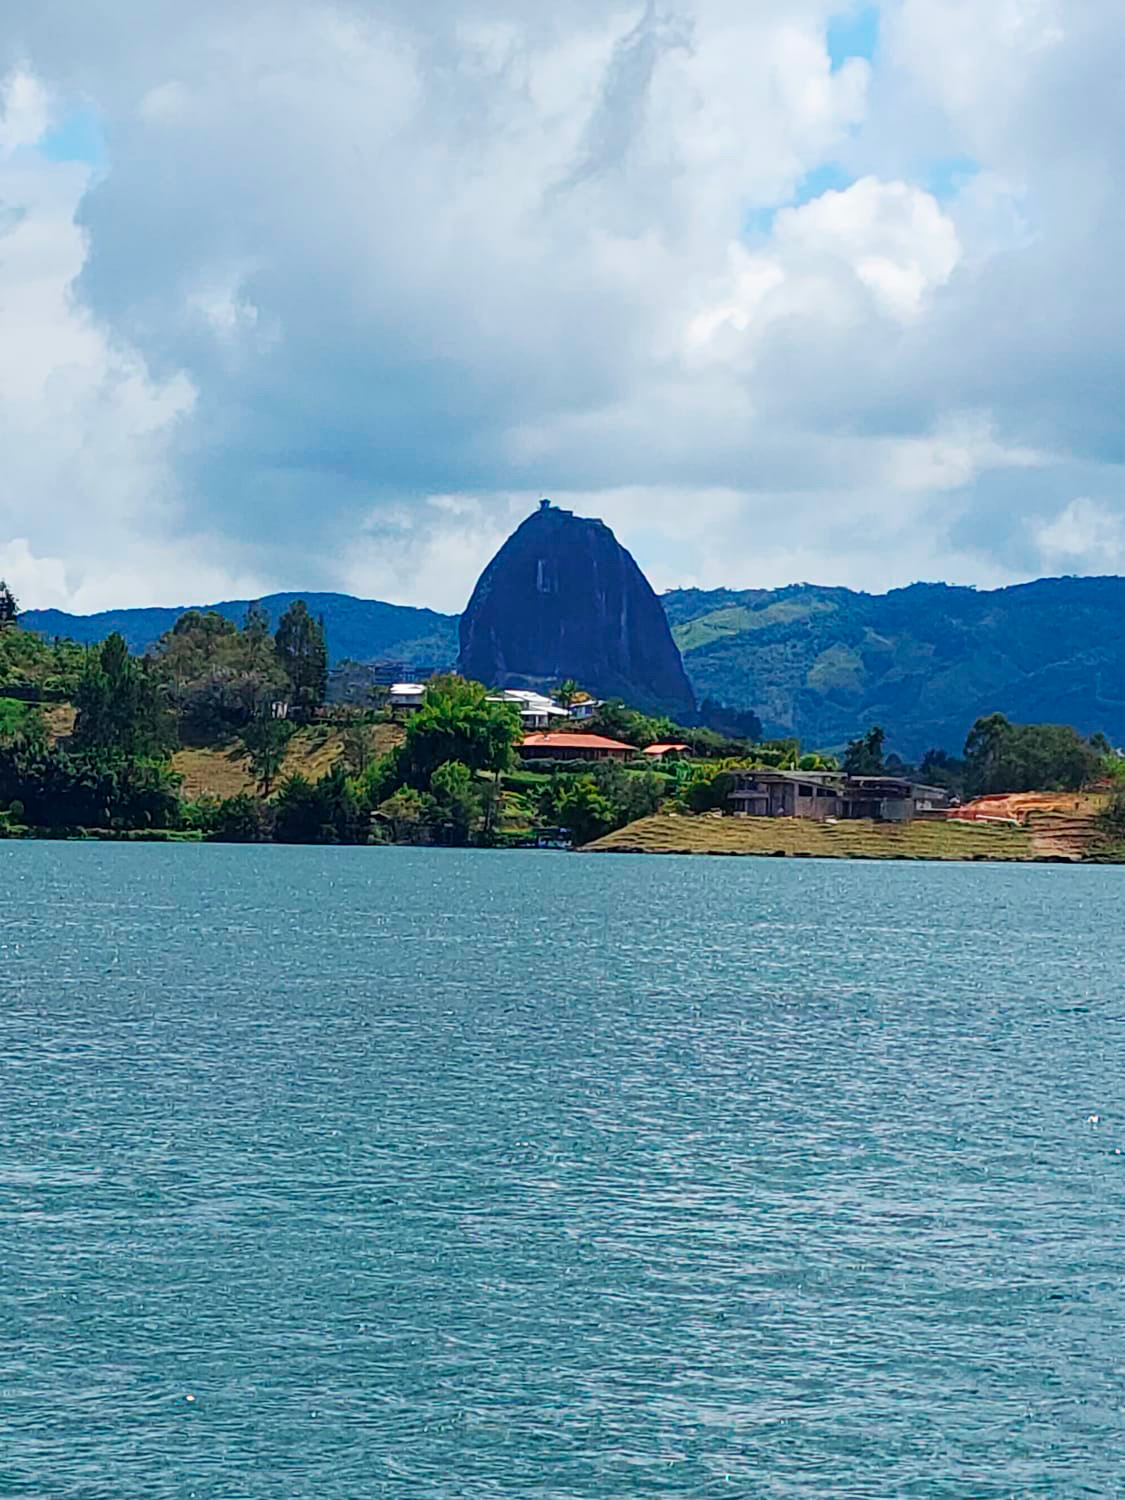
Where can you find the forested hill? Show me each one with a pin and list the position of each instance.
(819, 663)
(924, 661)
(356, 629)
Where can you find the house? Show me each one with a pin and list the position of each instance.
(664, 753)
(535, 709)
(574, 747)
(585, 708)
(892, 799)
(787, 794)
(407, 697)
(820, 795)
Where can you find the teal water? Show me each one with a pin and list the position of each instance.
(439, 1174)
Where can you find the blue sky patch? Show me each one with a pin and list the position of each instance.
(76, 138)
(828, 177)
(855, 33)
(947, 177)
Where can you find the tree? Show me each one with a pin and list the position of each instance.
(601, 800)
(631, 794)
(585, 812)
(119, 706)
(266, 741)
(567, 693)
(321, 812)
(216, 676)
(256, 623)
(409, 814)
(618, 721)
(458, 804)
(304, 655)
(816, 762)
(709, 787)
(457, 722)
(864, 757)
(939, 768)
(359, 747)
(735, 723)
(1004, 757)
(58, 789)
(9, 609)
(240, 819)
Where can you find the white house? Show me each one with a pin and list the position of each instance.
(406, 697)
(535, 709)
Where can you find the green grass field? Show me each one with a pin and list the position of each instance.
(13, 714)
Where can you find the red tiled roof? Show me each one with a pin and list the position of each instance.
(663, 749)
(574, 742)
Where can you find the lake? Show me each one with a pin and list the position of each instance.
(402, 1173)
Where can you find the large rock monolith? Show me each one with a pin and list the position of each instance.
(563, 599)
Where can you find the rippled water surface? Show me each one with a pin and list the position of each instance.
(349, 1173)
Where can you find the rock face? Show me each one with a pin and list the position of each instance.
(562, 598)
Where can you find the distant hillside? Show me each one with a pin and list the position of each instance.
(924, 661)
(359, 629)
(819, 663)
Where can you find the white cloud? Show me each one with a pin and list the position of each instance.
(352, 255)
(24, 113)
(1085, 536)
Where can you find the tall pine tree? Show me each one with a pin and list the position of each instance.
(302, 651)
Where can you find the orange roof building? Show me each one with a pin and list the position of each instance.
(667, 752)
(574, 747)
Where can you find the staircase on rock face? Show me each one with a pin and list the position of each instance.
(563, 599)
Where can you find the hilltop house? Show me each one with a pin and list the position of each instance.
(536, 710)
(574, 747)
(664, 753)
(820, 795)
(585, 708)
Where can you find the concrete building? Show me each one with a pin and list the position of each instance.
(819, 795)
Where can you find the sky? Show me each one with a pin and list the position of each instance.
(326, 294)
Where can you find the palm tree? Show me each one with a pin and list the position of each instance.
(567, 692)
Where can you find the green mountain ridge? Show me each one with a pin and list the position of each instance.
(819, 663)
(357, 629)
(923, 661)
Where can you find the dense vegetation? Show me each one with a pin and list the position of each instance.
(356, 629)
(453, 775)
(822, 663)
(818, 664)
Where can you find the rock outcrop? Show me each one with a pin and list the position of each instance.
(563, 599)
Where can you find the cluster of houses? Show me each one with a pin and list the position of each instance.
(821, 796)
(536, 710)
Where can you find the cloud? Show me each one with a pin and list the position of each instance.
(353, 280)
(1084, 537)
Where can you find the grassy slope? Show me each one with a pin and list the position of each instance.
(223, 771)
(669, 834)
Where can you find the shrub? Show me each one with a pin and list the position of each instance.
(241, 819)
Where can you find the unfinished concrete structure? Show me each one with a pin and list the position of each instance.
(819, 795)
